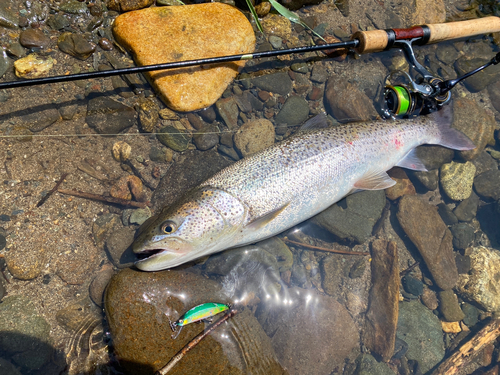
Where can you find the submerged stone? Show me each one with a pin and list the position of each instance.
(188, 32)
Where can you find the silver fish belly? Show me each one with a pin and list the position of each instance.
(277, 188)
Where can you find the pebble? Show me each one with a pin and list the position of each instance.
(448, 306)
(425, 228)
(73, 7)
(294, 112)
(177, 140)
(457, 179)
(33, 66)
(228, 110)
(107, 116)
(195, 121)
(121, 87)
(208, 114)
(144, 31)
(429, 179)
(342, 100)
(58, 21)
(471, 119)
(128, 5)
(451, 327)
(275, 24)
(447, 54)
(447, 214)
(487, 184)
(263, 8)
(422, 331)
(484, 162)
(382, 314)
(354, 223)
(429, 299)
(254, 136)
(403, 184)
(127, 187)
(26, 264)
(34, 38)
(168, 114)
(25, 334)
(300, 68)
(75, 45)
(471, 314)
(148, 114)
(139, 216)
(482, 283)
(412, 285)
(467, 209)
(121, 151)
(8, 15)
(206, 138)
(279, 83)
(4, 217)
(463, 235)
(116, 246)
(319, 73)
(16, 49)
(276, 41)
(463, 263)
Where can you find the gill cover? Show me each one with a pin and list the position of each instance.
(198, 225)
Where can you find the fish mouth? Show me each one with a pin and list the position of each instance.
(146, 254)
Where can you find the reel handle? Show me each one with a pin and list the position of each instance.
(379, 40)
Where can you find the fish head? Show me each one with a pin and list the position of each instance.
(202, 223)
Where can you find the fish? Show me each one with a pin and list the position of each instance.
(279, 187)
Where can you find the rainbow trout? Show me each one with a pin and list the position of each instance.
(285, 184)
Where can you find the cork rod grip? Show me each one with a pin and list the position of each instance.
(378, 40)
(462, 29)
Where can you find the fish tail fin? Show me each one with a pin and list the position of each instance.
(449, 137)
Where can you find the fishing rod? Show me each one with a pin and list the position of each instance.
(421, 96)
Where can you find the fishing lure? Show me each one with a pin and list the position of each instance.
(198, 313)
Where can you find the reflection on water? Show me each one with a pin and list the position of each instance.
(310, 300)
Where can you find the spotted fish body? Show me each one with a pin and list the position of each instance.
(287, 183)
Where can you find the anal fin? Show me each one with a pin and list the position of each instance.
(375, 181)
(411, 161)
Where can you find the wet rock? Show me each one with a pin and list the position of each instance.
(448, 306)
(75, 45)
(117, 244)
(228, 110)
(447, 54)
(295, 111)
(471, 313)
(320, 325)
(382, 314)
(208, 114)
(25, 334)
(127, 5)
(198, 87)
(412, 285)
(33, 66)
(427, 12)
(148, 115)
(38, 121)
(355, 222)
(67, 112)
(34, 38)
(121, 151)
(26, 263)
(456, 179)
(422, 331)
(451, 327)
(463, 235)
(144, 343)
(447, 214)
(99, 283)
(279, 83)
(403, 184)
(425, 228)
(482, 283)
(263, 9)
(107, 116)
(467, 209)
(139, 216)
(429, 299)
(429, 179)
(103, 226)
(484, 162)
(274, 24)
(127, 187)
(206, 137)
(487, 184)
(254, 136)
(434, 157)
(478, 81)
(494, 92)
(472, 120)
(368, 365)
(8, 16)
(182, 176)
(462, 262)
(342, 100)
(73, 7)
(58, 21)
(177, 140)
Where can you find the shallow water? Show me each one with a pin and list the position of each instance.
(305, 309)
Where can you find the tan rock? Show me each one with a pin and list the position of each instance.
(127, 5)
(451, 327)
(428, 12)
(187, 32)
(254, 136)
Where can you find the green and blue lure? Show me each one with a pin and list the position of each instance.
(198, 313)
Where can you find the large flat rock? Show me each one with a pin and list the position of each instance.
(188, 32)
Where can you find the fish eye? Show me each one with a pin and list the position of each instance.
(168, 227)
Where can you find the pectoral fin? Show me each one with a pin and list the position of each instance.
(411, 161)
(265, 219)
(375, 181)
